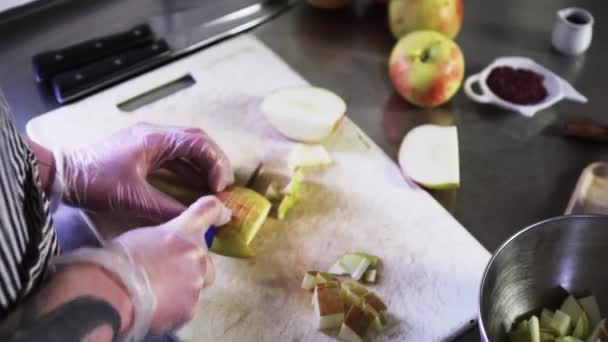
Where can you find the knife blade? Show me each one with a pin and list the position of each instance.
(182, 36)
(51, 63)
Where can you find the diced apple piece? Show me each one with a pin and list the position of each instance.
(337, 269)
(291, 194)
(519, 335)
(546, 337)
(324, 277)
(285, 205)
(599, 333)
(304, 155)
(310, 280)
(523, 325)
(356, 265)
(591, 308)
(373, 259)
(305, 113)
(350, 262)
(534, 327)
(360, 270)
(375, 305)
(329, 307)
(581, 328)
(355, 287)
(560, 323)
(545, 318)
(347, 299)
(355, 326)
(370, 276)
(272, 192)
(572, 308)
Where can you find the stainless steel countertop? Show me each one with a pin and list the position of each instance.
(515, 171)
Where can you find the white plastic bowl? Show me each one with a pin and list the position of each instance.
(557, 88)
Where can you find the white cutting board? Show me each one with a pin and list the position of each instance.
(432, 265)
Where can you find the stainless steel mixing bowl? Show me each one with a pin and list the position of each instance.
(526, 271)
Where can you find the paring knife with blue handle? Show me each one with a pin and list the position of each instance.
(74, 74)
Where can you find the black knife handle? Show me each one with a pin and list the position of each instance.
(51, 63)
(67, 84)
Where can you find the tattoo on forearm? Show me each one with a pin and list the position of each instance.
(72, 321)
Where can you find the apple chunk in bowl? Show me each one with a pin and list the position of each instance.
(526, 272)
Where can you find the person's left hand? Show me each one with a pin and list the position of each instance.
(112, 176)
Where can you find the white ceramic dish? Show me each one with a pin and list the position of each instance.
(557, 88)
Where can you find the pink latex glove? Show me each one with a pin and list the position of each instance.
(175, 260)
(111, 176)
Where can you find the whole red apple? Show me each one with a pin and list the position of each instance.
(426, 68)
(444, 16)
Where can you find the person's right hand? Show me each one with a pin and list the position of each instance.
(175, 259)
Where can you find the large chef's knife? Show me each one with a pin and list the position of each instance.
(163, 39)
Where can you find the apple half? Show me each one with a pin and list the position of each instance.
(304, 113)
(429, 156)
(249, 212)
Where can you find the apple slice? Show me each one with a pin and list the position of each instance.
(329, 307)
(355, 326)
(304, 155)
(429, 156)
(305, 113)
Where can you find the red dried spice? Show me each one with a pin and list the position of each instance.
(520, 86)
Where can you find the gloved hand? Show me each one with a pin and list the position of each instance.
(111, 176)
(175, 260)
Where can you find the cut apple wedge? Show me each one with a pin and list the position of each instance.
(310, 280)
(304, 155)
(249, 212)
(305, 113)
(429, 156)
